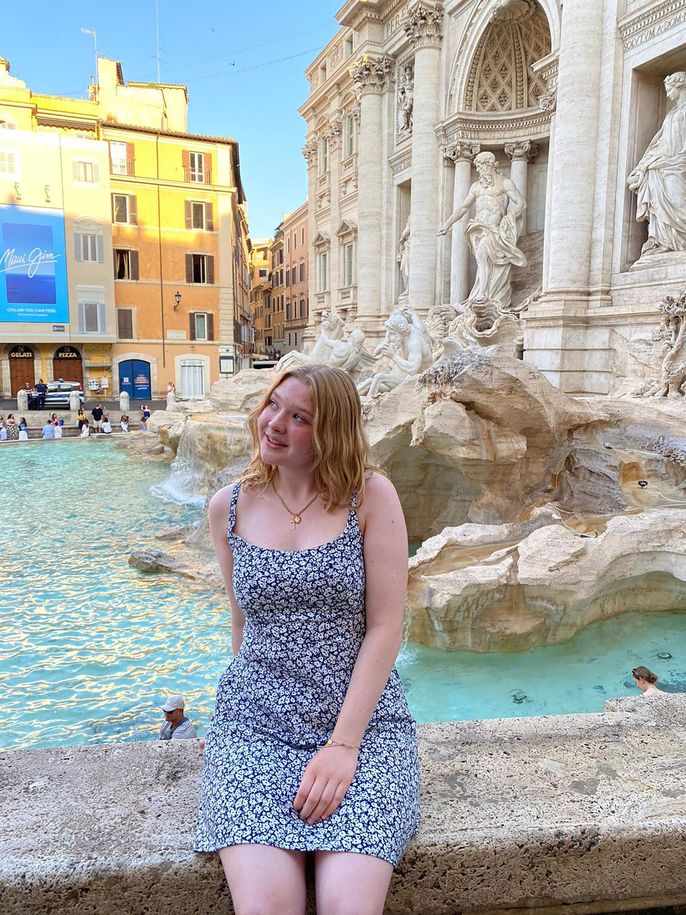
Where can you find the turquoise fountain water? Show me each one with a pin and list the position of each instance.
(89, 647)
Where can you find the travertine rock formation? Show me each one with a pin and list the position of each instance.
(484, 588)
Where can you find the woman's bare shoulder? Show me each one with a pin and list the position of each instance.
(221, 501)
(378, 487)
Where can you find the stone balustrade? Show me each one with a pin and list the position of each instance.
(585, 812)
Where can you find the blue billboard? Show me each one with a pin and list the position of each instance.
(33, 266)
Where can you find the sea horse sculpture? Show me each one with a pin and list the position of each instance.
(673, 332)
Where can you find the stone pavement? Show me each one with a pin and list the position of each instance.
(574, 814)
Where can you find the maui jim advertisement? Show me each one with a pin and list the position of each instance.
(33, 266)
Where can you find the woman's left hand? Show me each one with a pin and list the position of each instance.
(324, 783)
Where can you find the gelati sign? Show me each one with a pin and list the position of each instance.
(33, 266)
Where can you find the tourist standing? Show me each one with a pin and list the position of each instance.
(41, 391)
(311, 746)
(645, 680)
(97, 414)
(176, 726)
(145, 416)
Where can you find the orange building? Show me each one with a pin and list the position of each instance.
(166, 297)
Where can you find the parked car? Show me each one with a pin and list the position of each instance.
(58, 394)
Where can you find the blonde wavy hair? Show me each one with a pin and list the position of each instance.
(340, 445)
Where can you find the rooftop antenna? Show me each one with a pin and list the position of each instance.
(92, 32)
(157, 37)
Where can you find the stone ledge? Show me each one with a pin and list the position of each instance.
(579, 813)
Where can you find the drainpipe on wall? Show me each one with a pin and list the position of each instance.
(159, 245)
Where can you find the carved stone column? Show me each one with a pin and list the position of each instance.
(333, 135)
(423, 27)
(521, 154)
(462, 155)
(310, 153)
(573, 155)
(370, 76)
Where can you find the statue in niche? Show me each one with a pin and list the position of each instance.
(408, 348)
(403, 257)
(672, 332)
(405, 100)
(492, 234)
(659, 179)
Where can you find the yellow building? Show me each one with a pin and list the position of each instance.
(153, 281)
(260, 296)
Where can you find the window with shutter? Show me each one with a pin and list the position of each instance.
(188, 214)
(210, 327)
(209, 217)
(191, 326)
(210, 269)
(198, 215)
(125, 323)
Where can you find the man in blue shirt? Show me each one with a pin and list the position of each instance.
(48, 430)
(176, 725)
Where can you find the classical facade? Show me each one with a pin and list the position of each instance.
(142, 230)
(584, 235)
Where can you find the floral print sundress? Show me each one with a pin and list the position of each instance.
(278, 701)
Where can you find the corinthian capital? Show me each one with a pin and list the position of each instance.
(333, 132)
(524, 149)
(309, 151)
(462, 152)
(423, 23)
(370, 74)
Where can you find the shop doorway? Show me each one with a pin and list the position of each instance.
(67, 365)
(22, 371)
(134, 378)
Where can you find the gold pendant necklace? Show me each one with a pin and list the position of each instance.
(296, 517)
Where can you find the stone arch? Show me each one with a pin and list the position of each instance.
(496, 54)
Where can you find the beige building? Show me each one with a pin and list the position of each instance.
(295, 229)
(566, 97)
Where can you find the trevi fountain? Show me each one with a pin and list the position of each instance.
(510, 176)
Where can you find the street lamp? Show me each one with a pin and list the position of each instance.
(94, 36)
(177, 299)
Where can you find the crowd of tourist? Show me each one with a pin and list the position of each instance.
(12, 430)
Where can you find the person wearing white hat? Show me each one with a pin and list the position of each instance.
(176, 725)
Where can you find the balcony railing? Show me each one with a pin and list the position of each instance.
(197, 176)
(123, 167)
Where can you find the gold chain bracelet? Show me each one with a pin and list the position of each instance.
(339, 743)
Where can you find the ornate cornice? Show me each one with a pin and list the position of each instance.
(371, 74)
(523, 149)
(462, 152)
(649, 23)
(494, 128)
(423, 24)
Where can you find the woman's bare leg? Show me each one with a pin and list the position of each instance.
(265, 880)
(350, 884)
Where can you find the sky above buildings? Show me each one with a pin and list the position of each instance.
(243, 63)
